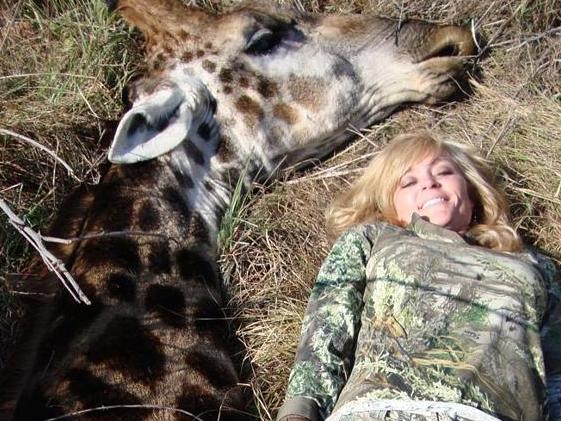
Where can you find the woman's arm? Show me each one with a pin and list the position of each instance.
(551, 337)
(330, 326)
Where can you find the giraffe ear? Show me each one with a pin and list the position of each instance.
(152, 128)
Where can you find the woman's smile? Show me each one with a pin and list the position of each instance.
(436, 189)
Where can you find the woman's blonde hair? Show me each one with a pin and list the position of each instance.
(370, 197)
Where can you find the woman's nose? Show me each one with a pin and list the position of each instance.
(430, 182)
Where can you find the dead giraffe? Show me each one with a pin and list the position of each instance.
(257, 87)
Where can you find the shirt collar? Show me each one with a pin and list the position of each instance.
(424, 229)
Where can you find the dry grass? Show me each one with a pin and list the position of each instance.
(63, 65)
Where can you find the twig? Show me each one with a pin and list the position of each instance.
(88, 103)
(508, 125)
(53, 264)
(474, 35)
(109, 407)
(536, 37)
(15, 186)
(43, 148)
(399, 23)
(539, 195)
(496, 35)
(102, 234)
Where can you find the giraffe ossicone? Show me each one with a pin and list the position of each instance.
(256, 88)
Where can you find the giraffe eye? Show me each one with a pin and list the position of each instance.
(263, 42)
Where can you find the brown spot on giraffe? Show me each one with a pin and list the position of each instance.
(148, 217)
(159, 259)
(308, 92)
(140, 173)
(145, 364)
(243, 82)
(267, 88)
(159, 62)
(225, 75)
(187, 56)
(86, 386)
(184, 35)
(168, 50)
(286, 113)
(194, 266)
(251, 108)
(122, 286)
(197, 398)
(210, 367)
(209, 66)
(224, 150)
(122, 252)
(176, 202)
(168, 302)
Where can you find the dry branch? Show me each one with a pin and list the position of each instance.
(53, 264)
(110, 407)
(103, 234)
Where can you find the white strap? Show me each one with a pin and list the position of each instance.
(450, 409)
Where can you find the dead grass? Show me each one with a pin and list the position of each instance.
(62, 67)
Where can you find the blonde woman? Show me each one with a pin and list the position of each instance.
(428, 307)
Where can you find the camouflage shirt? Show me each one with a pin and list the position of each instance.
(417, 318)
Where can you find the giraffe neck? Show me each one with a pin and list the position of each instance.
(157, 315)
(204, 183)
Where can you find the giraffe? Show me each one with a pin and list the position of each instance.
(239, 94)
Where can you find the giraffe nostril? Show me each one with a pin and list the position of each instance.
(450, 42)
(448, 50)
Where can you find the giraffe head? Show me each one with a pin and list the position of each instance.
(272, 86)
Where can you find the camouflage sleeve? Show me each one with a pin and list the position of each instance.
(551, 336)
(329, 329)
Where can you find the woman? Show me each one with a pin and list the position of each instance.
(428, 307)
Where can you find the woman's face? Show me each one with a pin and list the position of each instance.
(436, 189)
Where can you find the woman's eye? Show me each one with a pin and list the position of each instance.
(264, 41)
(407, 183)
